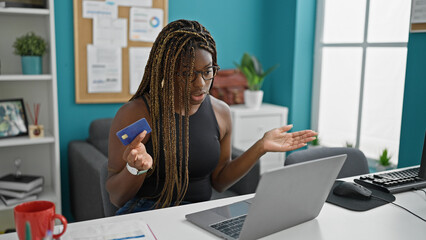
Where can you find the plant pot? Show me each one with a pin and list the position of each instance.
(253, 99)
(31, 64)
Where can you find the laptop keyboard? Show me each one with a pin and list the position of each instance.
(394, 182)
(231, 227)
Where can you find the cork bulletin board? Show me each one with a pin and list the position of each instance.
(418, 27)
(83, 32)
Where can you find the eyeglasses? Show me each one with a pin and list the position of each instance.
(207, 74)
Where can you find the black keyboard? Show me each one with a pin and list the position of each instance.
(394, 182)
(231, 227)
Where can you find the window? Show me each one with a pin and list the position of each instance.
(360, 59)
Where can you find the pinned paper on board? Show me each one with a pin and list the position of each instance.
(103, 69)
(145, 23)
(138, 57)
(107, 71)
(92, 9)
(134, 3)
(109, 31)
(418, 14)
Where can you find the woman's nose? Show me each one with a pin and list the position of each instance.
(198, 80)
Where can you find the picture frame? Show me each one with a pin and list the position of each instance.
(13, 118)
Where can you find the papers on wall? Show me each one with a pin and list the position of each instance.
(418, 14)
(114, 229)
(134, 3)
(98, 8)
(104, 54)
(109, 31)
(145, 23)
(103, 69)
(138, 57)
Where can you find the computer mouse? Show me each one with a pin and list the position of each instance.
(352, 190)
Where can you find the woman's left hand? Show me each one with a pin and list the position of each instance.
(279, 140)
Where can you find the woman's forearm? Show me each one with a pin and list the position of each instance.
(123, 186)
(238, 167)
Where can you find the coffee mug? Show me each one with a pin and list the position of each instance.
(41, 216)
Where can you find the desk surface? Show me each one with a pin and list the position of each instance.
(386, 222)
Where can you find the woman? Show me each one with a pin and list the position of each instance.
(189, 148)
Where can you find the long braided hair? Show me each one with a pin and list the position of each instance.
(174, 47)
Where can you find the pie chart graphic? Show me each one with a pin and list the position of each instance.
(154, 22)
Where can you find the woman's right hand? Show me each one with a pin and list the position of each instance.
(135, 154)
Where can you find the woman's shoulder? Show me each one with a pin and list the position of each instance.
(134, 106)
(131, 112)
(220, 106)
(222, 113)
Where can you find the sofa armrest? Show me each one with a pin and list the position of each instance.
(84, 165)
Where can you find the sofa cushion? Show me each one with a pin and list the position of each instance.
(84, 166)
(98, 134)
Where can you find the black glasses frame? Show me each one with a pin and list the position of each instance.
(195, 73)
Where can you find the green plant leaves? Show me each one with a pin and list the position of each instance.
(30, 45)
(252, 69)
(384, 158)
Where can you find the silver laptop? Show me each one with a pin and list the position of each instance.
(285, 197)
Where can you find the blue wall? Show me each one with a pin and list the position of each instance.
(279, 48)
(235, 25)
(413, 124)
(303, 67)
(289, 41)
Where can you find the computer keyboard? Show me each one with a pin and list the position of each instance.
(231, 227)
(394, 182)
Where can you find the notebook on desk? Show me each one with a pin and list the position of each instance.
(284, 197)
(399, 180)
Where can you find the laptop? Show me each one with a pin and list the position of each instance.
(284, 197)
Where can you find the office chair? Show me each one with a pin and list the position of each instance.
(109, 208)
(355, 164)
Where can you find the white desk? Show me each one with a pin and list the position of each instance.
(386, 222)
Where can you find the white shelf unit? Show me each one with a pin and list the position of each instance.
(249, 125)
(39, 156)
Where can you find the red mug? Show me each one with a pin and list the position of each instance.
(41, 216)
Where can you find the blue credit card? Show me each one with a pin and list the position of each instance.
(127, 134)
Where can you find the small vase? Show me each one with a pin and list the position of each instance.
(31, 64)
(36, 131)
(253, 99)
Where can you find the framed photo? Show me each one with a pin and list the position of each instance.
(13, 119)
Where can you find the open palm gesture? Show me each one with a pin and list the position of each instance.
(279, 140)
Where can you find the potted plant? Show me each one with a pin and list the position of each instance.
(253, 71)
(31, 48)
(384, 162)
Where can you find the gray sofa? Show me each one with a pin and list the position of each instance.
(87, 159)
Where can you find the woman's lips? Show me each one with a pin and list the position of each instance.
(198, 96)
